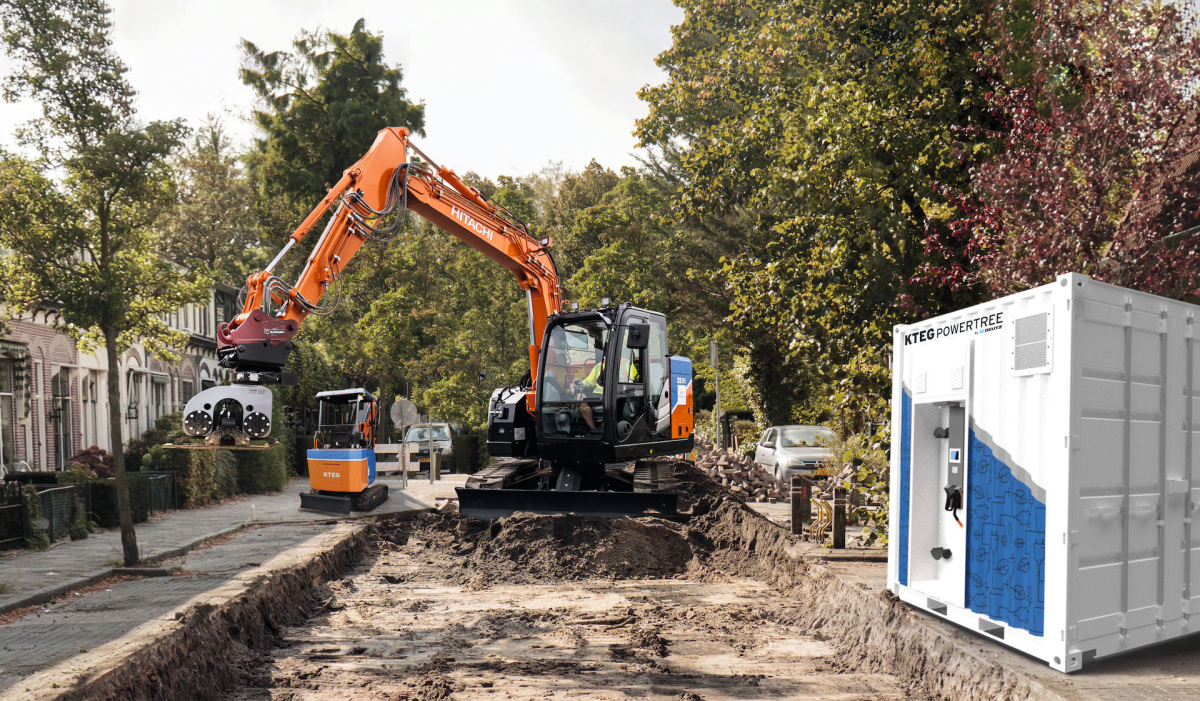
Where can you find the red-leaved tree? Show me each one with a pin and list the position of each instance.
(1095, 169)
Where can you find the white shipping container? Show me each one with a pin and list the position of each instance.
(1061, 423)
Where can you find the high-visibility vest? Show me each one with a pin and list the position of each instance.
(593, 378)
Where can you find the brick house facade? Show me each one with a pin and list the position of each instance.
(54, 398)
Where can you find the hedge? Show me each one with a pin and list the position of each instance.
(104, 500)
(262, 471)
(470, 452)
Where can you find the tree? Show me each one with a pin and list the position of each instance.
(1097, 144)
(85, 245)
(575, 193)
(321, 106)
(820, 129)
(213, 227)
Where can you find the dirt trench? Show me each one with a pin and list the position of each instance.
(714, 604)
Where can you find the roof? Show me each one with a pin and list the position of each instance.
(347, 394)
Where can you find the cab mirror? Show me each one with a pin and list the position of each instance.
(639, 337)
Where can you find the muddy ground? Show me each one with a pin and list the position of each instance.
(548, 607)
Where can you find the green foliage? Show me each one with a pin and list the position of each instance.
(263, 471)
(166, 428)
(868, 453)
(80, 526)
(321, 106)
(213, 227)
(827, 126)
(201, 476)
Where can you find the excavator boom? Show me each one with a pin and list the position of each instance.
(369, 202)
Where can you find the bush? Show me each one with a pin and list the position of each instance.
(95, 460)
(167, 428)
(868, 454)
(79, 526)
(470, 452)
(36, 539)
(198, 474)
(262, 471)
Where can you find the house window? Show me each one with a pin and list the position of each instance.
(8, 448)
(187, 391)
(158, 398)
(60, 415)
(89, 411)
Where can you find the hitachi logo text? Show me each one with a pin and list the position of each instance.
(469, 222)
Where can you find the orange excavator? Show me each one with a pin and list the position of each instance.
(583, 432)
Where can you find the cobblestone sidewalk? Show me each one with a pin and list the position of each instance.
(75, 624)
(36, 577)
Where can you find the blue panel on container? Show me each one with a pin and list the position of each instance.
(1006, 544)
(906, 410)
(341, 454)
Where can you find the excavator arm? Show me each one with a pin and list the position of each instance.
(369, 203)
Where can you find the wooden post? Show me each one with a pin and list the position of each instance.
(435, 466)
(839, 518)
(801, 503)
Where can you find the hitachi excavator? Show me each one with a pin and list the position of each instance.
(584, 432)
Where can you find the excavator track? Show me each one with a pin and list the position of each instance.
(502, 473)
(654, 475)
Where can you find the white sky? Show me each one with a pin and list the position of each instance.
(509, 85)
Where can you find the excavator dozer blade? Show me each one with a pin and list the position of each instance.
(329, 503)
(500, 503)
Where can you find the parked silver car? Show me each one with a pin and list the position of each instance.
(786, 451)
(416, 444)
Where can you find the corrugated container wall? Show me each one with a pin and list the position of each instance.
(1043, 471)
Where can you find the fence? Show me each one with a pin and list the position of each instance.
(817, 517)
(57, 507)
(149, 493)
(12, 516)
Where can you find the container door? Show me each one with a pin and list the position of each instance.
(937, 521)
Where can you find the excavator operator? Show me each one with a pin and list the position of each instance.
(591, 386)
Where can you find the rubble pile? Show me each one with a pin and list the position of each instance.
(738, 474)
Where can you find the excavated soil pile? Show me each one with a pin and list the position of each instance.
(713, 529)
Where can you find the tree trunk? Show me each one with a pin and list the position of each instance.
(128, 536)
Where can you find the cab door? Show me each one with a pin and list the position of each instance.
(628, 376)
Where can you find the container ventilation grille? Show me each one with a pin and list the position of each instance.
(1029, 340)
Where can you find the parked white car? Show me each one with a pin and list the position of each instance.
(786, 451)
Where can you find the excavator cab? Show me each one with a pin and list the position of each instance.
(608, 401)
(603, 391)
